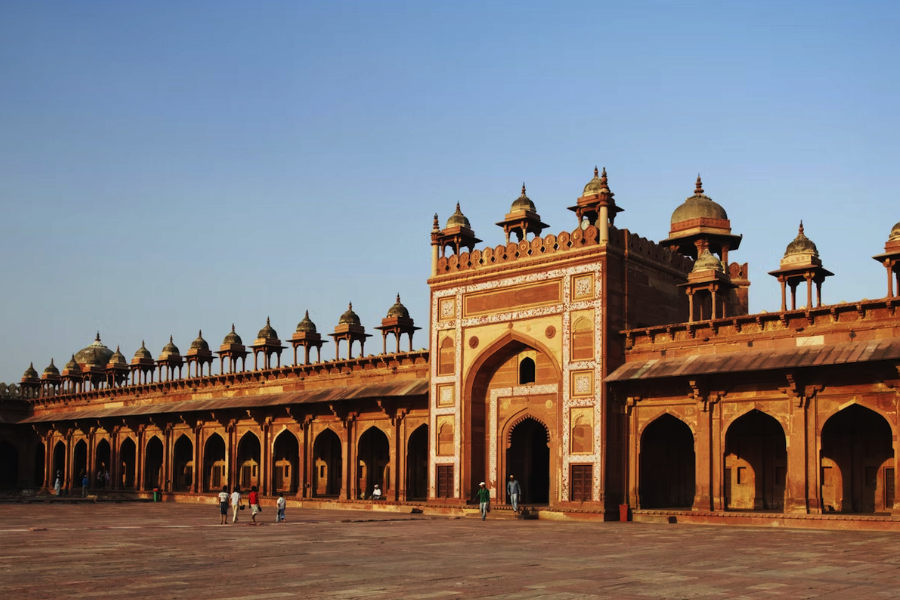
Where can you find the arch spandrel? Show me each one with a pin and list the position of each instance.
(833, 408)
(493, 338)
(770, 409)
(689, 420)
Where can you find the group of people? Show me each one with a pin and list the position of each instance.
(102, 481)
(234, 498)
(483, 496)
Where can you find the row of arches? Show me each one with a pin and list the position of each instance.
(373, 464)
(855, 462)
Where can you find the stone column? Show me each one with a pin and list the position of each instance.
(603, 222)
(140, 457)
(702, 450)
(168, 459)
(797, 457)
(400, 468)
(197, 478)
(265, 458)
(115, 475)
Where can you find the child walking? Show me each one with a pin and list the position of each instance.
(280, 504)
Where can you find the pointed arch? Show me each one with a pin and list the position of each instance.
(744, 409)
(153, 464)
(667, 463)
(183, 467)
(417, 464)
(857, 461)
(79, 463)
(285, 462)
(672, 413)
(248, 460)
(215, 474)
(127, 457)
(755, 462)
(102, 466)
(373, 462)
(528, 458)
(327, 464)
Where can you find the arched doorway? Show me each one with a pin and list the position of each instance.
(248, 461)
(417, 464)
(153, 464)
(59, 464)
(528, 458)
(79, 463)
(857, 462)
(373, 462)
(9, 464)
(101, 463)
(502, 384)
(183, 469)
(39, 466)
(755, 463)
(667, 464)
(127, 463)
(327, 463)
(285, 457)
(214, 465)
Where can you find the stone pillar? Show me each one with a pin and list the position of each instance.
(348, 468)
(115, 475)
(230, 458)
(717, 454)
(603, 222)
(434, 260)
(265, 458)
(353, 467)
(702, 450)
(400, 468)
(797, 457)
(139, 459)
(168, 460)
(197, 479)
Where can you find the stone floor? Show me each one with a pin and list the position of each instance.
(153, 551)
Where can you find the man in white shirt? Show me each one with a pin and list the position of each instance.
(280, 504)
(223, 505)
(235, 503)
(376, 493)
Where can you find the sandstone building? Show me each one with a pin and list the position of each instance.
(601, 368)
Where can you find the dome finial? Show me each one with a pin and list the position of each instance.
(267, 321)
(523, 188)
(350, 306)
(171, 340)
(699, 188)
(232, 328)
(457, 208)
(51, 362)
(97, 339)
(398, 297)
(434, 224)
(199, 333)
(596, 172)
(307, 314)
(117, 349)
(604, 181)
(800, 231)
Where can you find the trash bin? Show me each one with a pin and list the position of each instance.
(156, 494)
(623, 513)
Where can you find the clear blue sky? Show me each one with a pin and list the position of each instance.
(166, 167)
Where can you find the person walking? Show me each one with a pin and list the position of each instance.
(235, 503)
(85, 482)
(483, 496)
(57, 485)
(280, 504)
(254, 503)
(513, 489)
(223, 505)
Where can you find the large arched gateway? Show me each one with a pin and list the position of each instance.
(667, 464)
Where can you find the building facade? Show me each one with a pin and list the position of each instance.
(596, 366)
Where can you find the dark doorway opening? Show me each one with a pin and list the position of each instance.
(59, 464)
(38, 471)
(127, 462)
(857, 460)
(101, 464)
(183, 470)
(374, 462)
(248, 461)
(755, 463)
(286, 457)
(327, 464)
(9, 464)
(80, 463)
(528, 458)
(153, 464)
(417, 464)
(667, 464)
(214, 475)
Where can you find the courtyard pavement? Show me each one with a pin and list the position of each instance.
(148, 551)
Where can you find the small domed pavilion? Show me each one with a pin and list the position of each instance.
(457, 234)
(350, 329)
(699, 224)
(522, 218)
(198, 355)
(233, 349)
(267, 344)
(142, 365)
(51, 380)
(30, 383)
(169, 359)
(801, 262)
(891, 260)
(398, 323)
(597, 204)
(117, 370)
(308, 337)
(710, 284)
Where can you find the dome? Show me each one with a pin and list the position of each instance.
(232, 338)
(117, 358)
(30, 373)
(698, 206)
(267, 333)
(199, 343)
(72, 365)
(458, 219)
(350, 317)
(143, 353)
(95, 354)
(398, 310)
(895, 234)
(51, 369)
(169, 349)
(801, 245)
(523, 202)
(306, 325)
(707, 262)
(597, 184)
